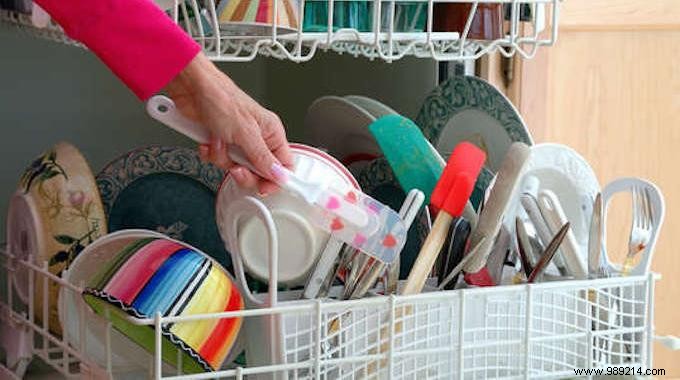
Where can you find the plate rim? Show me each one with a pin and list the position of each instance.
(429, 124)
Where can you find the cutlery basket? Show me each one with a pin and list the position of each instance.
(542, 330)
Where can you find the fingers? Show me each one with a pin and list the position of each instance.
(256, 150)
(244, 177)
(274, 135)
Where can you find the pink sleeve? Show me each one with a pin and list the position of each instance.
(134, 38)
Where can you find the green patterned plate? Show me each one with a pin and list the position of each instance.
(165, 189)
(468, 108)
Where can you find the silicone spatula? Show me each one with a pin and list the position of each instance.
(352, 217)
(450, 195)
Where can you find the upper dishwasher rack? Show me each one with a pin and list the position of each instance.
(376, 29)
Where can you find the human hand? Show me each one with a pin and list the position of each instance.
(204, 94)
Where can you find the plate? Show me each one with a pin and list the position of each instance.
(126, 357)
(300, 242)
(372, 106)
(340, 127)
(53, 216)
(168, 190)
(468, 108)
(561, 169)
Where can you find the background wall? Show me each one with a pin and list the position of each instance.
(51, 92)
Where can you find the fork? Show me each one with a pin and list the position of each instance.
(641, 229)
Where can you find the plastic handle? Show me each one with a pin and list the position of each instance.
(658, 214)
(164, 110)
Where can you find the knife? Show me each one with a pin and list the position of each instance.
(595, 238)
(524, 247)
(549, 253)
(530, 205)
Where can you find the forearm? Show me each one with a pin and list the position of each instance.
(134, 38)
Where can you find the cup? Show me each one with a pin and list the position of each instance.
(487, 23)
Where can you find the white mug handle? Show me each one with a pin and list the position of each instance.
(260, 211)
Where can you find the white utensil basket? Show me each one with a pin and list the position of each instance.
(541, 330)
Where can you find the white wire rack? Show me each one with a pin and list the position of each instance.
(388, 30)
(541, 330)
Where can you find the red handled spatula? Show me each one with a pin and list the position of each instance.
(450, 195)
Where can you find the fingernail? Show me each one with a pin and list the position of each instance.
(279, 172)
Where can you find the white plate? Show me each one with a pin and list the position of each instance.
(372, 106)
(300, 242)
(341, 127)
(566, 173)
(126, 356)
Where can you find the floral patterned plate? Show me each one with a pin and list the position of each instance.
(168, 190)
(468, 108)
(54, 214)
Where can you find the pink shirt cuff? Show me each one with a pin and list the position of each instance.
(134, 38)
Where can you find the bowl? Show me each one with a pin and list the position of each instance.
(256, 17)
(126, 356)
(53, 216)
(300, 241)
(154, 275)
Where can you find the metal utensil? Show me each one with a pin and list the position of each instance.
(595, 240)
(371, 269)
(412, 204)
(455, 248)
(641, 229)
(530, 205)
(459, 268)
(554, 215)
(524, 247)
(324, 268)
(549, 253)
(646, 227)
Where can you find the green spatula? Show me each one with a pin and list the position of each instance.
(415, 163)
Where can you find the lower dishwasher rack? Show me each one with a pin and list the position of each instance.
(545, 330)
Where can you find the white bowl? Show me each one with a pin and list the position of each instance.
(300, 242)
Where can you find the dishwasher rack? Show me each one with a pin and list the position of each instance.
(543, 330)
(528, 26)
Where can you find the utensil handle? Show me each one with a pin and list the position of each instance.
(163, 109)
(555, 218)
(428, 254)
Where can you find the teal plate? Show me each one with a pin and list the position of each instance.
(466, 108)
(168, 190)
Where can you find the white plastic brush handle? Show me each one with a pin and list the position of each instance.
(658, 215)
